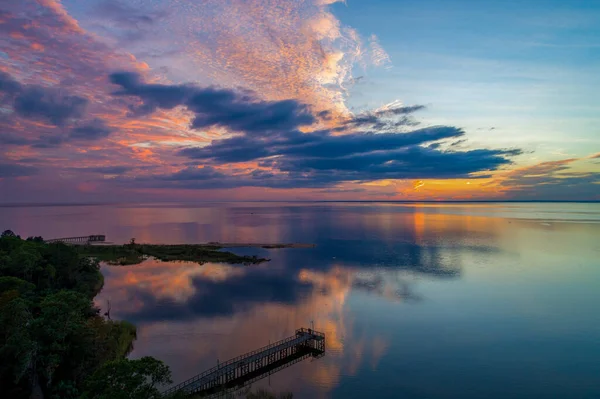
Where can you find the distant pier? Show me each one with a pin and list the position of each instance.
(255, 365)
(79, 240)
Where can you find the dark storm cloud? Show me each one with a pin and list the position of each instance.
(268, 133)
(41, 103)
(106, 170)
(223, 298)
(322, 144)
(294, 172)
(93, 130)
(109, 170)
(11, 139)
(14, 170)
(208, 177)
(53, 105)
(412, 162)
(86, 131)
(237, 111)
(47, 141)
(8, 85)
(321, 159)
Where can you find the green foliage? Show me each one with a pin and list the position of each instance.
(65, 390)
(13, 286)
(17, 346)
(51, 336)
(8, 234)
(52, 339)
(132, 254)
(128, 379)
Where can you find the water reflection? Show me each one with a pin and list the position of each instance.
(226, 310)
(436, 301)
(191, 315)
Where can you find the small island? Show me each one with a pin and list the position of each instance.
(133, 253)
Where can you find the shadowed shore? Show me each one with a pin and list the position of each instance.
(259, 245)
(133, 254)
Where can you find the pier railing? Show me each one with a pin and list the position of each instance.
(79, 240)
(237, 371)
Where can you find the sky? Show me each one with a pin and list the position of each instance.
(174, 100)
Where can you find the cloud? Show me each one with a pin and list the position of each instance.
(222, 298)
(418, 184)
(391, 117)
(15, 170)
(268, 132)
(47, 104)
(552, 180)
(53, 105)
(413, 163)
(379, 57)
(125, 15)
(292, 130)
(47, 141)
(316, 145)
(214, 107)
(108, 170)
(41, 103)
(93, 130)
(8, 85)
(321, 159)
(11, 139)
(121, 23)
(282, 49)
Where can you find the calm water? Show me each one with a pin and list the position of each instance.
(417, 301)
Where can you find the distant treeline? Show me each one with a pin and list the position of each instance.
(133, 253)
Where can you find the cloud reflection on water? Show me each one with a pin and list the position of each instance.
(190, 315)
(225, 310)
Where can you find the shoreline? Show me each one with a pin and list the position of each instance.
(134, 253)
(259, 245)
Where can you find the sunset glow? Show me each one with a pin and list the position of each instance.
(123, 100)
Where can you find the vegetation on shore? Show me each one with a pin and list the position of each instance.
(53, 341)
(55, 344)
(132, 253)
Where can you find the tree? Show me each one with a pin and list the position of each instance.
(8, 233)
(128, 379)
(17, 348)
(63, 336)
(52, 338)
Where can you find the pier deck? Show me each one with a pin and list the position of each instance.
(251, 366)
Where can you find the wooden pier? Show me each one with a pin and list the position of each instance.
(250, 367)
(79, 240)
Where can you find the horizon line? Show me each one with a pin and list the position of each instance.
(42, 204)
